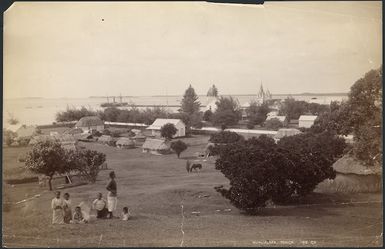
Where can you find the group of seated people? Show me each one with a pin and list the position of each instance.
(62, 210)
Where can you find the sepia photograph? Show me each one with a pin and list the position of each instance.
(192, 124)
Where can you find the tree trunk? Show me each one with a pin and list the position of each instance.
(50, 183)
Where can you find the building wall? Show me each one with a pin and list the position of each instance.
(305, 123)
(98, 128)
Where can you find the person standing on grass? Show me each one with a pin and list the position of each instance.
(57, 208)
(112, 198)
(67, 208)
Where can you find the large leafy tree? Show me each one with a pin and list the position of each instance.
(361, 115)
(168, 131)
(365, 102)
(47, 158)
(293, 108)
(86, 162)
(257, 113)
(227, 112)
(259, 169)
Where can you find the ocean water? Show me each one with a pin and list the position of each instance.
(40, 111)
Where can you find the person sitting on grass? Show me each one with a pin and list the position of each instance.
(125, 214)
(78, 216)
(57, 208)
(67, 208)
(100, 205)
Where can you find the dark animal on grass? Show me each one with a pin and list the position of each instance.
(196, 167)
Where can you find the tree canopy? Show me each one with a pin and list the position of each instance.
(168, 131)
(227, 112)
(259, 169)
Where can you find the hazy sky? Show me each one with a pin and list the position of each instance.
(56, 49)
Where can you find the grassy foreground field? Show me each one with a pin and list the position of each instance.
(163, 199)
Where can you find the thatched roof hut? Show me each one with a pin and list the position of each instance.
(156, 146)
(125, 143)
(90, 123)
(104, 139)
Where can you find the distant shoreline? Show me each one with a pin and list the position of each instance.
(100, 97)
(278, 94)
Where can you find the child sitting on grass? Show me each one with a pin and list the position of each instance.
(125, 214)
(78, 216)
(101, 207)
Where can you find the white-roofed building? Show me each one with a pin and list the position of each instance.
(306, 121)
(159, 122)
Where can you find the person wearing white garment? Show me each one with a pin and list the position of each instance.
(112, 198)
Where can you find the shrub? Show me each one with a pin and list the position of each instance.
(178, 146)
(259, 169)
(168, 131)
(224, 137)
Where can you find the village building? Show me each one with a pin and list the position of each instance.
(90, 123)
(352, 176)
(156, 146)
(306, 121)
(160, 122)
(125, 143)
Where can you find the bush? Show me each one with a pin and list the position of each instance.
(225, 137)
(260, 170)
(273, 124)
(178, 146)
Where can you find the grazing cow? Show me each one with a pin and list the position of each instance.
(196, 167)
